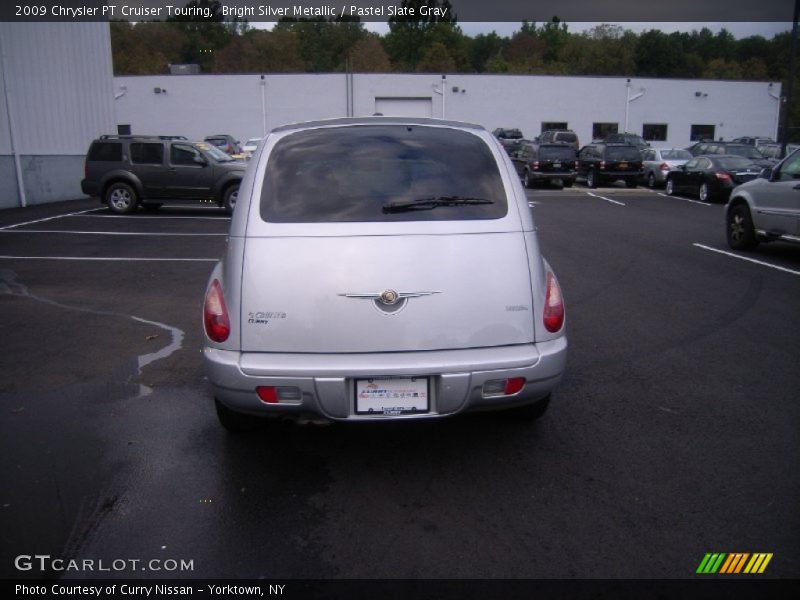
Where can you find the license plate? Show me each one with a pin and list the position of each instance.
(556, 165)
(392, 396)
(623, 165)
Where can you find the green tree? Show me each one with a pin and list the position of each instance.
(324, 43)
(410, 36)
(368, 56)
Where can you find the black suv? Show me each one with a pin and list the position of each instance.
(601, 162)
(126, 171)
(544, 163)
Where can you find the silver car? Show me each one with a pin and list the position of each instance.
(658, 162)
(381, 268)
(767, 208)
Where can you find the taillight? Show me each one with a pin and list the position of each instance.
(576, 164)
(553, 305)
(503, 387)
(664, 167)
(722, 176)
(535, 165)
(215, 314)
(602, 164)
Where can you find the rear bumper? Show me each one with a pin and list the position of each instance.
(326, 381)
(553, 175)
(90, 188)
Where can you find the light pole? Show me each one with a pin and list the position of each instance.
(629, 99)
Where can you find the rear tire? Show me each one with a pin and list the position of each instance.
(121, 198)
(591, 179)
(233, 421)
(630, 183)
(529, 412)
(568, 182)
(670, 187)
(229, 197)
(651, 181)
(703, 193)
(526, 180)
(739, 228)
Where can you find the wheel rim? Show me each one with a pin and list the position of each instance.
(120, 199)
(703, 192)
(670, 187)
(590, 179)
(232, 198)
(527, 180)
(737, 227)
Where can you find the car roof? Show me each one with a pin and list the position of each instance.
(345, 121)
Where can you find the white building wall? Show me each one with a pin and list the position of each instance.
(58, 80)
(201, 105)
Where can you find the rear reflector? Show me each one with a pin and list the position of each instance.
(503, 387)
(553, 305)
(215, 314)
(277, 395)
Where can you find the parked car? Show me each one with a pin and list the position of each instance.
(354, 284)
(600, 163)
(227, 143)
(772, 151)
(658, 162)
(731, 148)
(545, 163)
(627, 138)
(564, 136)
(753, 141)
(509, 138)
(126, 172)
(767, 208)
(250, 146)
(711, 177)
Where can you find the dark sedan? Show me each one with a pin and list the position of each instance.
(711, 177)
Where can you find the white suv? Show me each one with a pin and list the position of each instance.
(381, 268)
(766, 209)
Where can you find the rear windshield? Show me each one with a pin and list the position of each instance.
(747, 151)
(732, 163)
(622, 153)
(566, 136)
(351, 174)
(556, 153)
(512, 134)
(676, 155)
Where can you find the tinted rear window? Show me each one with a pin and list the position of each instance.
(623, 153)
(747, 151)
(676, 154)
(567, 137)
(556, 152)
(733, 163)
(151, 154)
(348, 174)
(106, 151)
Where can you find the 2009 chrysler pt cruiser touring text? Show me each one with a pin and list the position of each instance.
(381, 268)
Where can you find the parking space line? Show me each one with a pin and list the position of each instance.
(80, 212)
(108, 258)
(684, 199)
(606, 199)
(752, 260)
(165, 234)
(144, 218)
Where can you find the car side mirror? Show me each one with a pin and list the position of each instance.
(765, 174)
(200, 161)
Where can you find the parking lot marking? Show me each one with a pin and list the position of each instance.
(606, 199)
(108, 258)
(80, 212)
(684, 199)
(164, 234)
(752, 260)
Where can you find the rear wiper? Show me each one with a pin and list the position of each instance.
(433, 202)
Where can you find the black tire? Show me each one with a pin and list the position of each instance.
(568, 182)
(703, 193)
(739, 228)
(591, 179)
(233, 421)
(121, 198)
(529, 412)
(669, 188)
(651, 180)
(630, 183)
(526, 180)
(229, 197)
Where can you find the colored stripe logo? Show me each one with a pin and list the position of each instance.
(722, 563)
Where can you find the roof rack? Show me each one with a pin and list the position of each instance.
(152, 137)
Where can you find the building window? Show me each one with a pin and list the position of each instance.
(601, 130)
(701, 132)
(553, 125)
(654, 132)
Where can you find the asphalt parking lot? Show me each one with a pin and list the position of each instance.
(674, 433)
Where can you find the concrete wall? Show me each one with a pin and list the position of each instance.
(201, 105)
(56, 97)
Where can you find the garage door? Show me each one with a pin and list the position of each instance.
(404, 107)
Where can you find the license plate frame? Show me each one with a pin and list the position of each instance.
(392, 396)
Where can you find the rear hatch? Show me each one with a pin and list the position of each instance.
(558, 158)
(623, 159)
(384, 238)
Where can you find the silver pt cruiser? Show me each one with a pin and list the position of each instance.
(381, 268)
